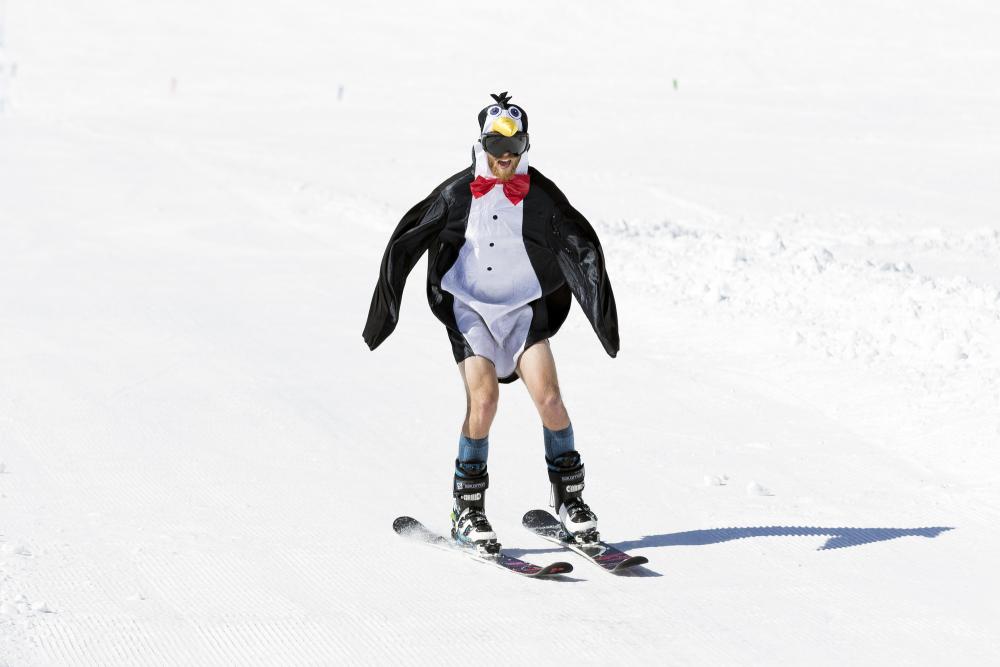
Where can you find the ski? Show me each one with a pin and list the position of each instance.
(412, 529)
(545, 525)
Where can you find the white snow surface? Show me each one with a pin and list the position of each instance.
(200, 460)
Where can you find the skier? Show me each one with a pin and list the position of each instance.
(506, 251)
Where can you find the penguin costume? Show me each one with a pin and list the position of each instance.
(503, 261)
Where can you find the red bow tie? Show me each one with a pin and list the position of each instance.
(515, 189)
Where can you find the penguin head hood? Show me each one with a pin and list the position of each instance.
(503, 127)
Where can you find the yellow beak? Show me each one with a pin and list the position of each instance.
(505, 126)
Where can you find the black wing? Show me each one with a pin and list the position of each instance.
(581, 260)
(411, 239)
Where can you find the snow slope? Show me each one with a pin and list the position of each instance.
(200, 461)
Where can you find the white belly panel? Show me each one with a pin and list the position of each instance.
(493, 281)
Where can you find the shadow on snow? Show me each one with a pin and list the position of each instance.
(839, 538)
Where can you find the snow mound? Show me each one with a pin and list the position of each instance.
(847, 305)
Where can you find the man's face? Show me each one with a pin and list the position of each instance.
(503, 167)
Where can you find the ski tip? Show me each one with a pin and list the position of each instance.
(533, 518)
(404, 523)
(632, 561)
(554, 569)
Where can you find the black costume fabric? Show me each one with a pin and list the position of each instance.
(562, 247)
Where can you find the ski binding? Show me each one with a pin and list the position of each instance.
(412, 529)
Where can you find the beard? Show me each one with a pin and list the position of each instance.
(500, 173)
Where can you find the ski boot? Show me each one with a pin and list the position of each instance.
(469, 525)
(578, 521)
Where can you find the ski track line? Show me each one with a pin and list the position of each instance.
(272, 641)
(219, 632)
(215, 583)
(96, 640)
(104, 640)
(127, 641)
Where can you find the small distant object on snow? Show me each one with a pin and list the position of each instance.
(755, 489)
(16, 549)
(43, 608)
(675, 84)
(340, 92)
(716, 480)
(3, 467)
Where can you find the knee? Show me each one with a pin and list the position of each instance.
(550, 400)
(484, 402)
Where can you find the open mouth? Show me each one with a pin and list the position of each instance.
(505, 164)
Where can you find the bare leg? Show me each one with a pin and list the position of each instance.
(482, 392)
(468, 520)
(537, 369)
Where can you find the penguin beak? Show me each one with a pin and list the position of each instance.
(505, 126)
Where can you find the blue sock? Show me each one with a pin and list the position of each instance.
(558, 443)
(472, 451)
